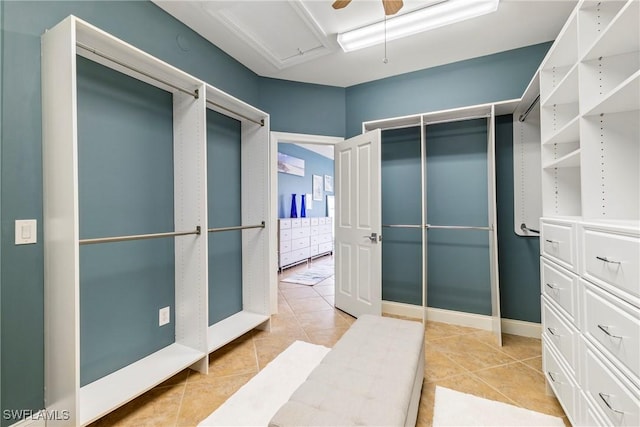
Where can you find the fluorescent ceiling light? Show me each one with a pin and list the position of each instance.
(427, 18)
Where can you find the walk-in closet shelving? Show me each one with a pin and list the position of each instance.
(254, 201)
(590, 240)
(193, 339)
(423, 121)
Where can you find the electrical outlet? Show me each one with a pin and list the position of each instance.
(164, 316)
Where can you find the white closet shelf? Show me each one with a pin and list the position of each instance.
(571, 160)
(563, 53)
(106, 44)
(230, 105)
(567, 134)
(101, 396)
(395, 123)
(619, 100)
(226, 330)
(616, 39)
(566, 92)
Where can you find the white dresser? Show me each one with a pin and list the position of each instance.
(590, 229)
(301, 239)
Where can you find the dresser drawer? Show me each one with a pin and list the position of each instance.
(616, 399)
(314, 230)
(612, 259)
(325, 247)
(313, 250)
(305, 222)
(562, 383)
(560, 286)
(313, 240)
(297, 233)
(285, 223)
(286, 258)
(314, 221)
(562, 335)
(297, 222)
(285, 234)
(615, 326)
(300, 254)
(324, 238)
(322, 221)
(325, 229)
(300, 243)
(285, 245)
(557, 242)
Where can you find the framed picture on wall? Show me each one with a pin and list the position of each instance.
(291, 165)
(328, 183)
(317, 187)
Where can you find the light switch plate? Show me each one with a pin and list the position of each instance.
(26, 231)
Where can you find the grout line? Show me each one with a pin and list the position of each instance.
(184, 391)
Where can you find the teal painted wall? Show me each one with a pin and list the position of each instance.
(21, 294)
(315, 164)
(223, 198)
(489, 78)
(303, 107)
(125, 176)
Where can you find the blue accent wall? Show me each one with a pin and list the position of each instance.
(223, 188)
(480, 80)
(303, 107)
(147, 27)
(125, 177)
(314, 164)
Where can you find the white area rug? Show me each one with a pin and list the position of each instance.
(453, 408)
(311, 276)
(256, 402)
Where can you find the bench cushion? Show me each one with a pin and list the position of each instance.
(366, 379)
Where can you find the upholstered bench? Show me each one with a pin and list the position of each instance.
(372, 376)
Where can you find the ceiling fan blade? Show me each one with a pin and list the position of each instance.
(339, 4)
(391, 7)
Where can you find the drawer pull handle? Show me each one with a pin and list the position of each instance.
(605, 259)
(553, 332)
(605, 398)
(551, 375)
(553, 286)
(605, 329)
(553, 242)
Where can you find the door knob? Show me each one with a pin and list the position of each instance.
(374, 237)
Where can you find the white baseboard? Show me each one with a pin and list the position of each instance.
(479, 321)
(33, 421)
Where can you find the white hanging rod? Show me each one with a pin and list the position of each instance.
(194, 93)
(444, 227)
(456, 119)
(524, 115)
(238, 227)
(456, 227)
(261, 122)
(524, 227)
(137, 237)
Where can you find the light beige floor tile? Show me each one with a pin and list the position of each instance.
(436, 330)
(470, 384)
(425, 409)
(326, 337)
(268, 348)
(521, 347)
(324, 290)
(158, 407)
(535, 363)
(202, 398)
(318, 320)
(283, 325)
(330, 299)
(470, 353)
(238, 357)
(297, 293)
(438, 366)
(526, 387)
(306, 305)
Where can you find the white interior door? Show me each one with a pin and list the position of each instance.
(358, 224)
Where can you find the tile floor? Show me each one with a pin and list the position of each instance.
(460, 358)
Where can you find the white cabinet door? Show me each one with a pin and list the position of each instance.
(358, 225)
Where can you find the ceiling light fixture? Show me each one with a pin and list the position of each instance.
(436, 15)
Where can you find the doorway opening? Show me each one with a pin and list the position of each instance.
(303, 205)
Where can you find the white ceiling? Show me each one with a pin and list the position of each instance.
(296, 39)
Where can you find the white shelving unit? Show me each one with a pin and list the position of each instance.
(194, 339)
(590, 240)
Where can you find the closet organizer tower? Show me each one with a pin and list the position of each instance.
(191, 335)
(422, 226)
